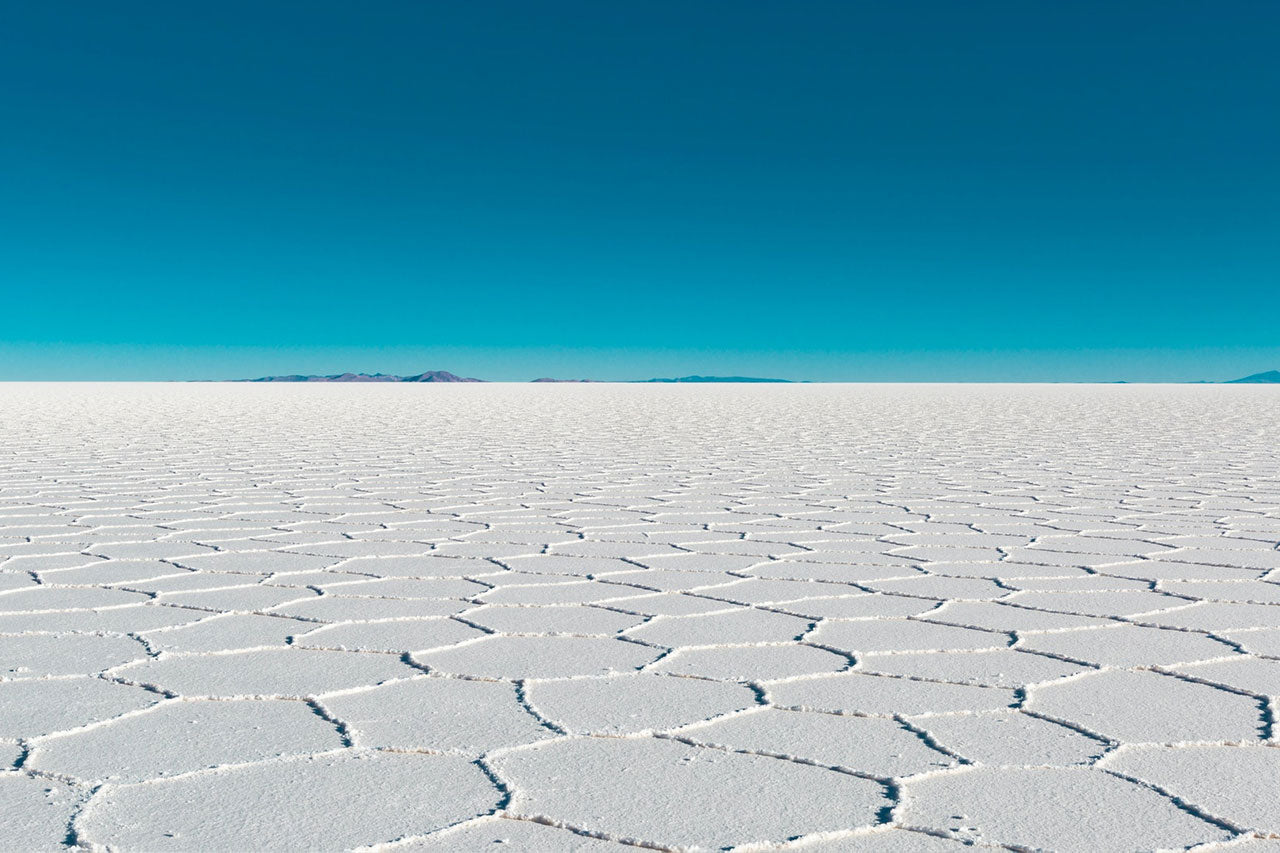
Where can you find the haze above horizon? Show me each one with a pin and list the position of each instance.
(826, 191)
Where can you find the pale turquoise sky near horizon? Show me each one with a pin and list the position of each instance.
(922, 190)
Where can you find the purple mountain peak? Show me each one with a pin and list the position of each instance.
(429, 376)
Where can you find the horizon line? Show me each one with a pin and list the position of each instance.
(660, 381)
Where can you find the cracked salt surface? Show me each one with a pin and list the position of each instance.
(888, 618)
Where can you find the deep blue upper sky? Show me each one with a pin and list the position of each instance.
(823, 190)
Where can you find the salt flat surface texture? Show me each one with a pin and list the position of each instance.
(516, 617)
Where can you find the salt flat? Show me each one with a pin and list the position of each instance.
(826, 617)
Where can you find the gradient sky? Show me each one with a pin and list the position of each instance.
(847, 190)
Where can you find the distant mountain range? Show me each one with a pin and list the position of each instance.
(446, 376)
(1258, 378)
(429, 376)
(1268, 377)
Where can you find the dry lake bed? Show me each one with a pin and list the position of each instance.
(594, 617)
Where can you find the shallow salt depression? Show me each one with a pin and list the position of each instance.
(589, 617)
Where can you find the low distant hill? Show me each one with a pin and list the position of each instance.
(439, 376)
(716, 379)
(429, 376)
(1259, 378)
(446, 376)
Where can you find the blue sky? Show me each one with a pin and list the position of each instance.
(820, 190)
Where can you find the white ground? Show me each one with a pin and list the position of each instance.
(828, 618)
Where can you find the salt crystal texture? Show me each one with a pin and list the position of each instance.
(589, 617)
